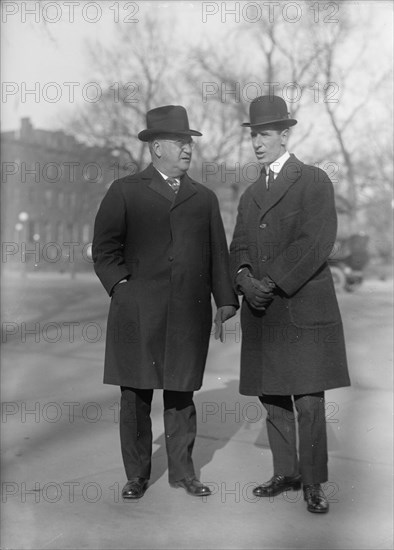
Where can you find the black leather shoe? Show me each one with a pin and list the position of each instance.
(193, 487)
(316, 500)
(278, 484)
(135, 488)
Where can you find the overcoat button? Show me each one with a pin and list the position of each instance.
(170, 258)
(263, 225)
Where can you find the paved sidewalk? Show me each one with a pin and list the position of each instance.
(62, 472)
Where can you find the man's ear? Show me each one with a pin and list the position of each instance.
(284, 136)
(156, 148)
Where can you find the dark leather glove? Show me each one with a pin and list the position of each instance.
(267, 284)
(223, 313)
(258, 293)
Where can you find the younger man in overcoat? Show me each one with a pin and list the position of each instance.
(292, 338)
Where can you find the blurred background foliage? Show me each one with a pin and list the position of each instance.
(324, 65)
(330, 61)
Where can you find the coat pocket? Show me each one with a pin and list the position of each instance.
(315, 305)
(290, 216)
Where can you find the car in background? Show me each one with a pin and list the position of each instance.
(348, 260)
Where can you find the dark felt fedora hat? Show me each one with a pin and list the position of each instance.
(169, 119)
(269, 109)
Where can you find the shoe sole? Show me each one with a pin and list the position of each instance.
(317, 511)
(128, 499)
(174, 486)
(292, 487)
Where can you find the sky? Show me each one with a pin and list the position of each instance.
(44, 44)
(36, 50)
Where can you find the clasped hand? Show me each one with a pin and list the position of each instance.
(258, 293)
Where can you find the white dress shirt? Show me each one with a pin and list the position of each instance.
(277, 165)
(166, 177)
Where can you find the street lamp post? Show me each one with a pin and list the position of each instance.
(22, 230)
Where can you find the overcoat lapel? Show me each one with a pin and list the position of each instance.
(259, 191)
(289, 174)
(186, 190)
(158, 184)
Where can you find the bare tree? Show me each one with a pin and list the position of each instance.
(135, 76)
(313, 64)
(357, 109)
(270, 57)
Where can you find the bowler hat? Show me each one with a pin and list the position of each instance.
(269, 109)
(169, 119)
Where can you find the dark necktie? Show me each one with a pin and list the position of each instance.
(270, 180)
(174, 184)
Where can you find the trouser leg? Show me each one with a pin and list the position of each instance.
(281, 429)
(180, 433)
(312, 437)
(135, 428)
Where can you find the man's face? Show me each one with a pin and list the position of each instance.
(268, 144)
(175, 154)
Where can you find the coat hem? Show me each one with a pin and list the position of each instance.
(150, 387)
(252, 392)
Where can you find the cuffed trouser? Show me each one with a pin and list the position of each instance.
(136, 432)
(311, 461)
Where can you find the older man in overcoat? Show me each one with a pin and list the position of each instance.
(160, 251)
(292, 338)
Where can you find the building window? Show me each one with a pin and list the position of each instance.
(33, 231)
(31, 194)
(73, 200)
(69, 235)
(47, 232)
(75, 232)
(48, 198)
(59, 232)
(86, 233)
(60, 200)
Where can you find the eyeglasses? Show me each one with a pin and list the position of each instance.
(181, 143)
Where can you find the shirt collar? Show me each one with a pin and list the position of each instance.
(166, 177)
(277, 165)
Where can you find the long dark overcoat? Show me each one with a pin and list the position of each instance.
(287, 232)
(174, 251)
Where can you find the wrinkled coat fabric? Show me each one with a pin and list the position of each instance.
(287, 232)
(173, 251)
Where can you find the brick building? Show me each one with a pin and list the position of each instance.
(52, 186)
